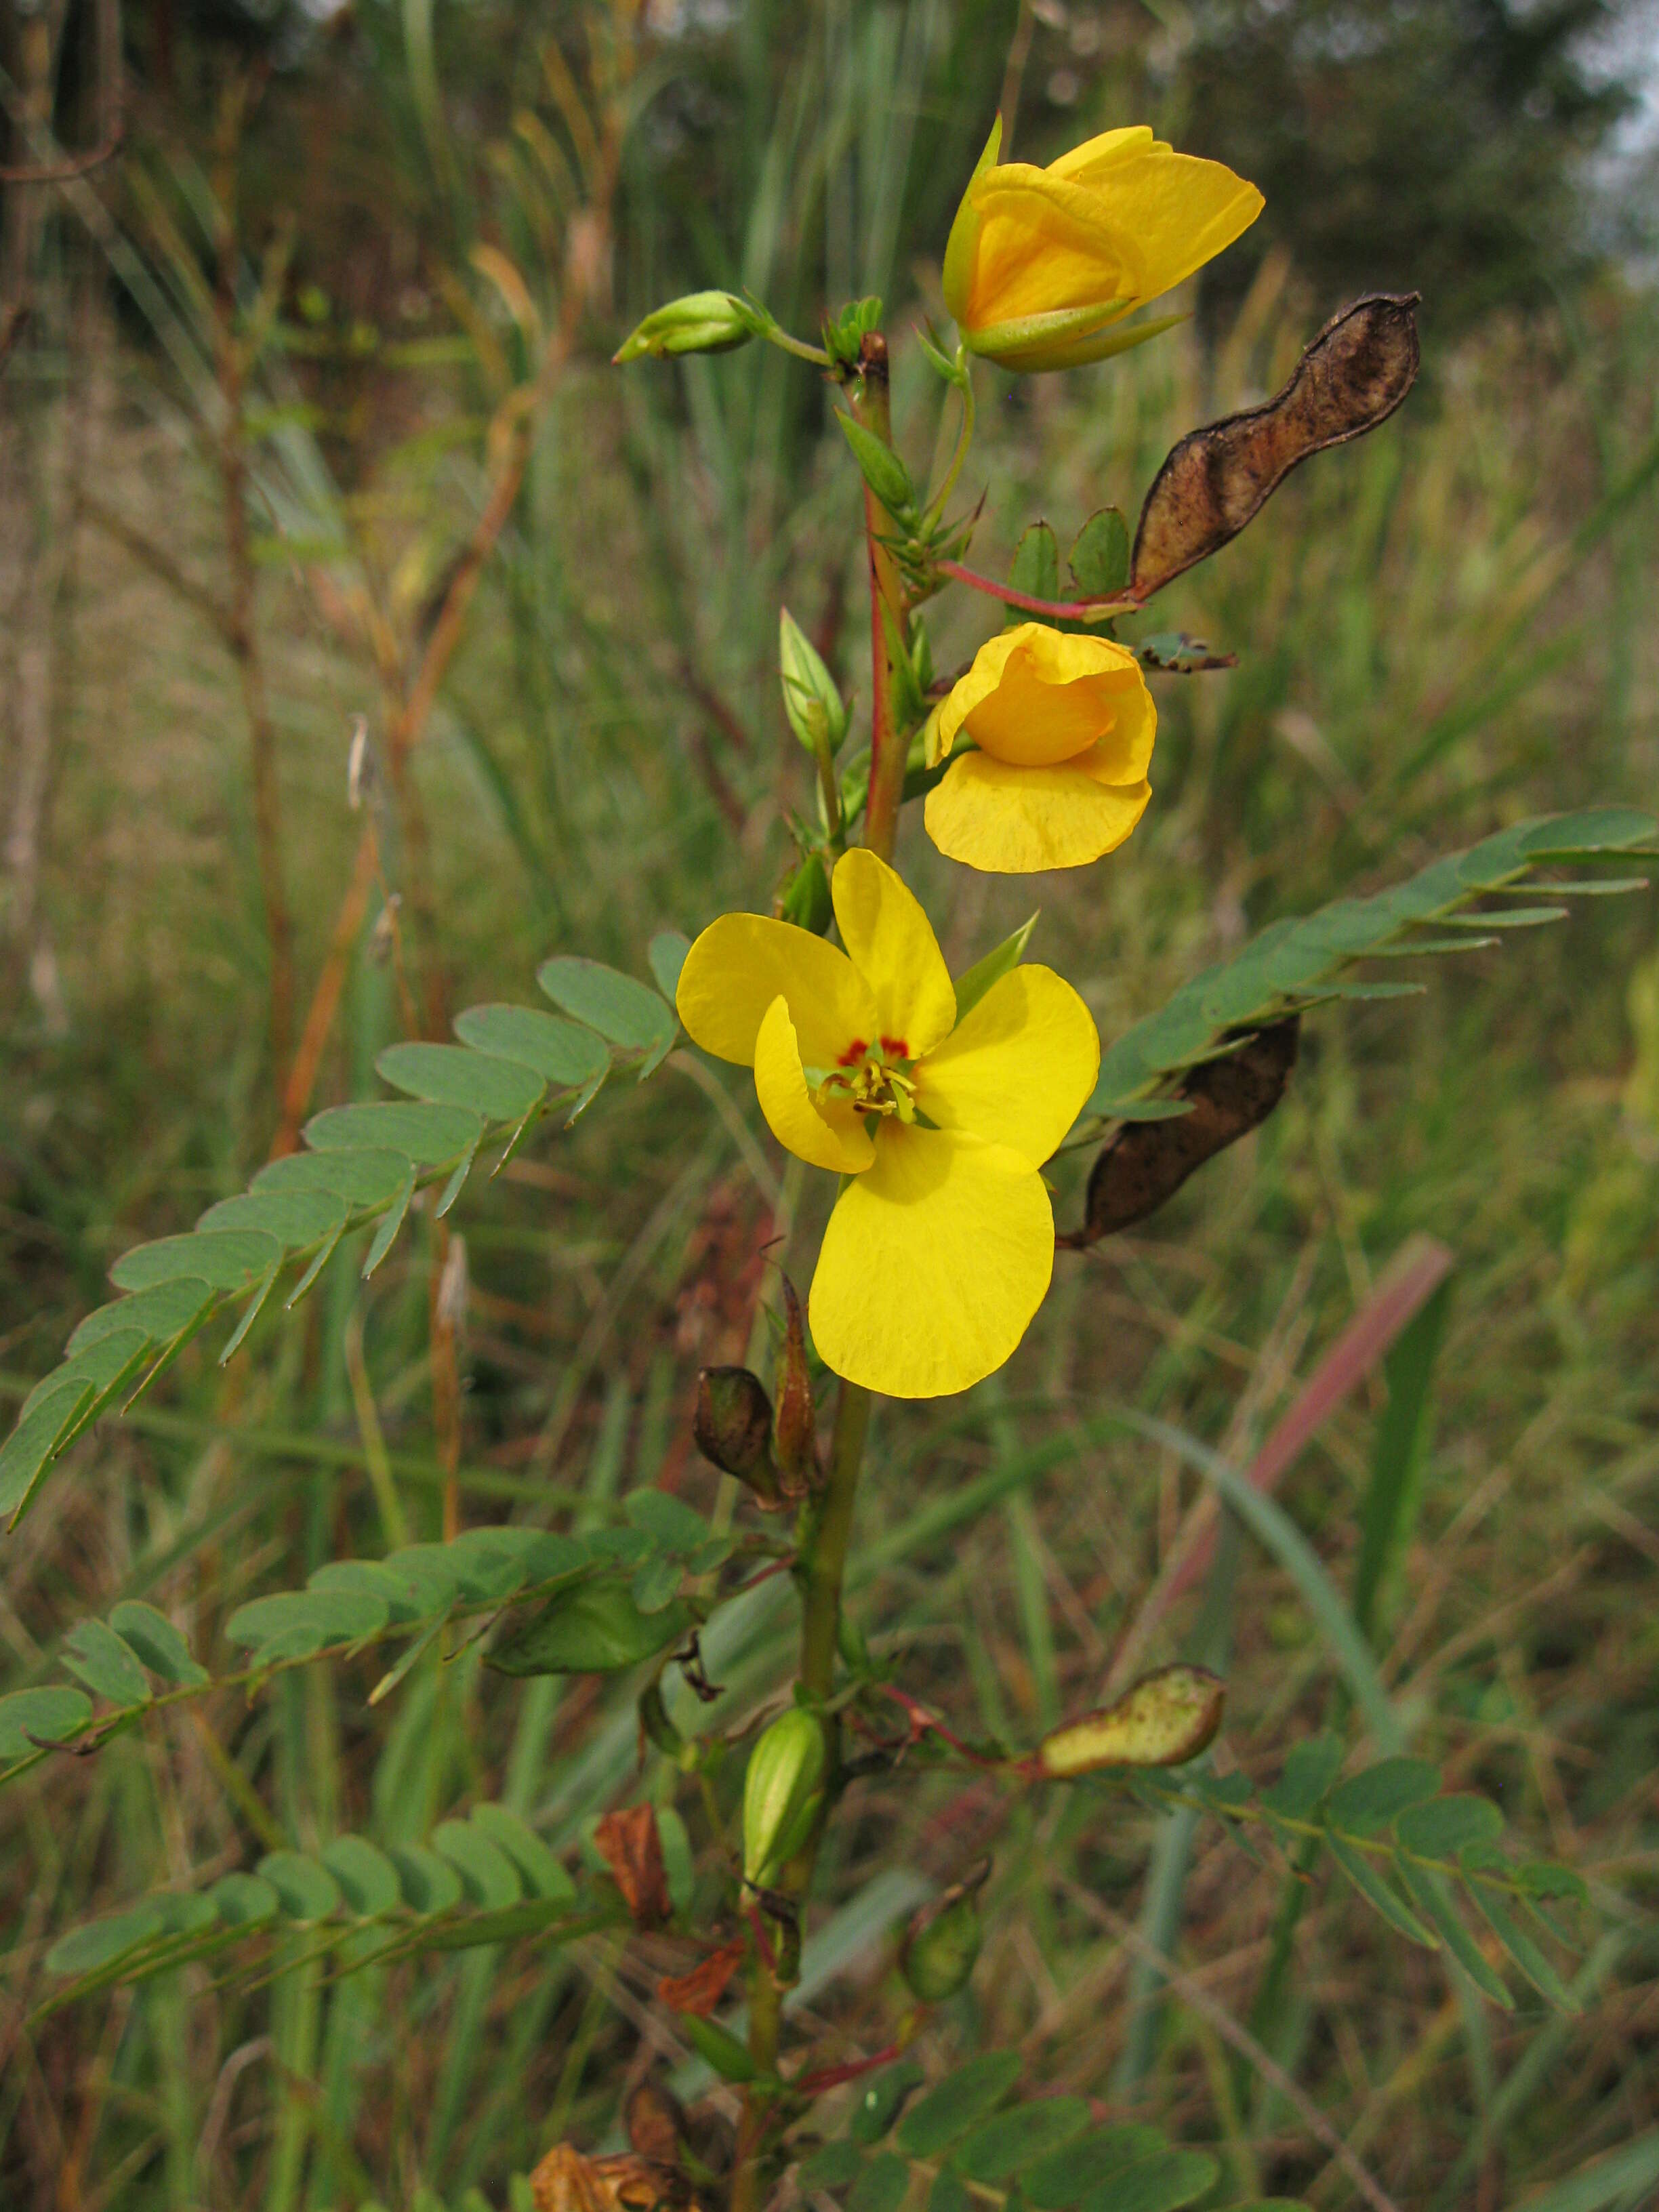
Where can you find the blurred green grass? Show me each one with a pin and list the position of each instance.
(1440, 631)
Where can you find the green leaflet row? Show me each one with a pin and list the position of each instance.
(1407, 1849)
(1297, 962)
(362, 1163)
(1049, 2153)
(591, 1604)
(487, 1879)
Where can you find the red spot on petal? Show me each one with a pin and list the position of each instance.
(853, 1053)
(895, 1048)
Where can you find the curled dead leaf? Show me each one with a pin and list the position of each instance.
(565, 2181)
(702, 1989)
(1162, 1720)
(1352, 377)
(631, 1847)
(1147, 1161)
(656, 2123)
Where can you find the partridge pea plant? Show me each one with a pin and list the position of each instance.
(935, 1103)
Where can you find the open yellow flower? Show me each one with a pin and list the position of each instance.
(940, 1247)
(1064, 726)
(1042, 265)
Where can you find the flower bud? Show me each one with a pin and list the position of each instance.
(702, 322)
(733, 1424)
(940, 1946)
(782, 1793)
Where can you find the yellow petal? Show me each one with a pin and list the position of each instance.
(1018, 1067)
(892, 945)
(742, 961)
(1060, 695)
(1088, 163)
(1181, 212)
(980, 681)
(1016, 821)
(1045, 243)
(932, 1265)
(831, 1137)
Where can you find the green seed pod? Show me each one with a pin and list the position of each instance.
(937, 1959)
(701, 322)
(782, 1793)
(943, 1939)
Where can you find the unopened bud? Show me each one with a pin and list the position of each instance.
(782, 1793)
(794, 1426)
(701, 322)
(733, 1424)
(942, 1941)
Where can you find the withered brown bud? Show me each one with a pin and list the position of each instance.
(732, 1425)
(631, 1847)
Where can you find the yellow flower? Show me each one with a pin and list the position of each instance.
(940, 1247)
(1042, 264)
(1064, 726)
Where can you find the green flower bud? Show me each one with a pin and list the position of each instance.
(702, 322)
(782, 1793)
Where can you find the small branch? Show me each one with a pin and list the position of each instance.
(158, 561)
(1057, 610)
(63, 172)
(326, 998)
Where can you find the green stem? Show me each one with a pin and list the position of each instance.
(827, 1523)
(826, 1554)
(888, 738)
(828, 1527)
(964, 439)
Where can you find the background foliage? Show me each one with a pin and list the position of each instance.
(314, 309)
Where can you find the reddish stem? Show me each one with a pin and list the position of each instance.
(832, 2078)
(1062, 610)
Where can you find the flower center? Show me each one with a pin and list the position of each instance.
(873, 1078)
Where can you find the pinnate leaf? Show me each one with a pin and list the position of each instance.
(1367, 1801)
(450, 1075)
(1012, 2141)
(629, 1014)
(566, 1055)
(969, 2094)
(305, 1888)
(95, 1655)
(54, 1714)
